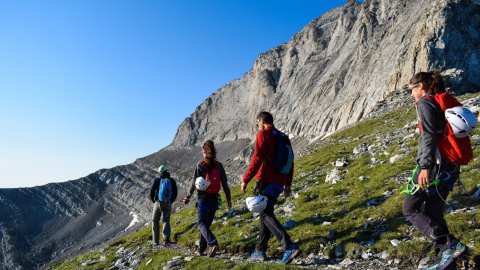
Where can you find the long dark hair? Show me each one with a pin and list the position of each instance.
(210, 153)
(432, 81)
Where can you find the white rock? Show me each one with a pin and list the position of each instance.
(395, 158)
(346, 262)
(395, 242)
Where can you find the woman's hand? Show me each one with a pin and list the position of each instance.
(423, 179)
(185, 200)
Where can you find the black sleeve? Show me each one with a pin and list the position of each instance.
(225, 186)
(174, 191)
(196, 174)
(154, 190)
(431, 131)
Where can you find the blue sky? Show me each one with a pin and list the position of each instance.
(86, 85)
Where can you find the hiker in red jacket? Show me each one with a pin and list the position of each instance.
(432, 166)
(271, 184)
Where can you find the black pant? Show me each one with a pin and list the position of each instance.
(204, 221)
(431, 221)
(269, 225)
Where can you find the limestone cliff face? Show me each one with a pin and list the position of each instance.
(334, 71)
(329, 75)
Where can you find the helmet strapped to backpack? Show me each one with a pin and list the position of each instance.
(455, 149)
(201, 183)
(257, 203)
(462, 121)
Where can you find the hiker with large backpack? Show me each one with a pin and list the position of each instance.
(272, 166)
(209, 176)
(162, 193)
(442, 149)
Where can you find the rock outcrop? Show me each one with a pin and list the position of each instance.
(331, 74)
(334, 71)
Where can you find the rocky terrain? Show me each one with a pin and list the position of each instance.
(346, 64)
(345, 212)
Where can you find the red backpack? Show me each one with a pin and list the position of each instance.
(213, 176)
(456, 150)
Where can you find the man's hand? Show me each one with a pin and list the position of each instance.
(287, 190)
(185, 200)
(243, 186)
(423, 178)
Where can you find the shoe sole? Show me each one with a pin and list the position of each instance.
(213, 251)
(460, 253)
(293, 256)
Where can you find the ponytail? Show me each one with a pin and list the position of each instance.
(210, 153)
(437, 84)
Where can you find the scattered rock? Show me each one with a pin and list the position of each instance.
(342, 162)
(88, 263)
(362, 148)
(334, 176)
(346, 262)
(395, 158)
(394, 242)
(423, 262)
(382, 255)
(175, 263)
(366, 255)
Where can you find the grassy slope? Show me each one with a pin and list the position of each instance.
(343, 204)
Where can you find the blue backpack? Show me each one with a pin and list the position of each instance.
(165, 190)
(283, 159)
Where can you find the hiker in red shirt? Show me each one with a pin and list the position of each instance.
(271, 184)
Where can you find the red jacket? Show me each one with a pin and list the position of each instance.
(260, 164)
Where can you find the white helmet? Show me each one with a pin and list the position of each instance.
(201, 183)
(462, 121)
(257, 203)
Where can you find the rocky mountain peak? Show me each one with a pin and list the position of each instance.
(333, 72)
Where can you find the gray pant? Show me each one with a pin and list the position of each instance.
(270, 225)
(161, 209)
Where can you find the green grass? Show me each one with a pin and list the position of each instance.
(343, 204)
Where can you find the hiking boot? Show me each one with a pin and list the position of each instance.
(459, 249)
(168, 241)
(290, 253)
(258, 256)
(212, 250)
(445, 261)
